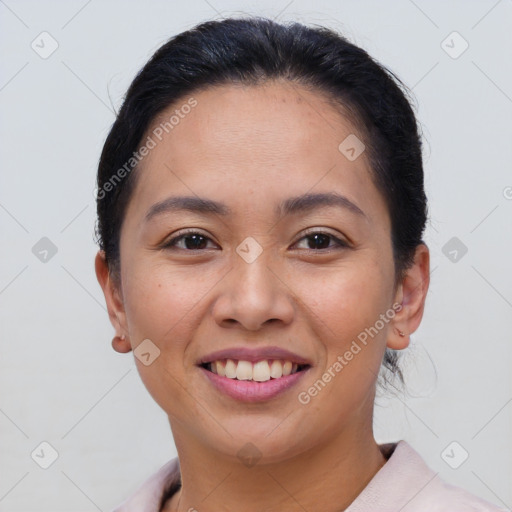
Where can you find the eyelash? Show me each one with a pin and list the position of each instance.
(340, 244)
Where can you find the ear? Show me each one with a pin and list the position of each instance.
(114, 301)
(411, 294)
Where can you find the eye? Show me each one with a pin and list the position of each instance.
(195, 241)
(188, 241)
(320, 241)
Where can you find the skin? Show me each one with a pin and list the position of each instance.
(251, 147)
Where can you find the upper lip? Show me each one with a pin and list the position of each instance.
(253, 355)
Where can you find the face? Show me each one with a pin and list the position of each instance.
(285, 265)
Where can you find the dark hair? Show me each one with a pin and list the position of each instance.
(252, 51)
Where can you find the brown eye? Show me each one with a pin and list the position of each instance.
(318, 241)
(190, 241)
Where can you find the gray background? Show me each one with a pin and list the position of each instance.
(60, 380)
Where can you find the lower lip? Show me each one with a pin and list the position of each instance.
(251, 391)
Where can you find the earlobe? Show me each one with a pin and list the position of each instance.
(121, 344)
(398, 339)
(411, 295)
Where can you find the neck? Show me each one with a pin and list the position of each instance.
(328, 477)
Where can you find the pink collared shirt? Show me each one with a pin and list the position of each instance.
(405, 483)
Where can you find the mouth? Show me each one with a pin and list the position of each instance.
(253, 375)
(256, 371)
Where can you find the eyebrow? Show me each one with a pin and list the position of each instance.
(310, 201)
(187, 203)
(291, 206)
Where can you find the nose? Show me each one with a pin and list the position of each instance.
(252, 295)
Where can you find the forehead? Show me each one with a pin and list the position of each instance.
(273, 121)
(252, 145)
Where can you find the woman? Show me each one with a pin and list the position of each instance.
(260, 219)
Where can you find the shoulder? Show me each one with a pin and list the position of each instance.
(406, 483)
(443, 497)
(148, 496)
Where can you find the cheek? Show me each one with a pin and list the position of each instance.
(161, 304)
(342, 305)
(347, 300)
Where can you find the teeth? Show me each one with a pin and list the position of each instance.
(261, 371)
(244, 370)
(276, 369)
(231, 369)
(221, 370)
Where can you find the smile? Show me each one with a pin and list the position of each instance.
(257, 371)
(250, 374)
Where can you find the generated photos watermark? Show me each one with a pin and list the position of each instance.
(343, 360)
(144, 150)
